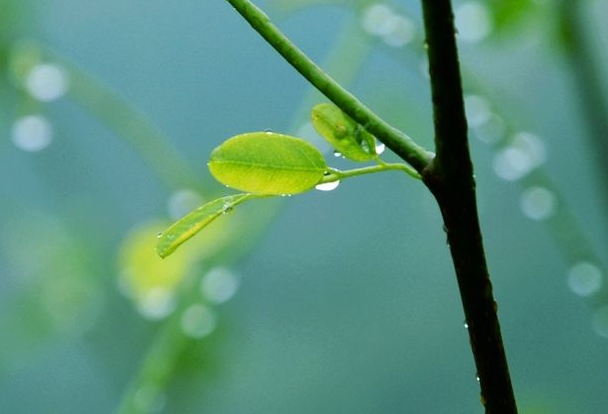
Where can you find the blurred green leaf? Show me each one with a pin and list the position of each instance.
(267, 163)
(194, 222)
(344, 134)
(509, 14)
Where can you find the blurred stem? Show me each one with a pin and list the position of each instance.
(132, 125)
(450, 178)
(587, 79)
(145, 393)
(396, 140)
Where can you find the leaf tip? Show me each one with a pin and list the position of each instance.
(161, 252)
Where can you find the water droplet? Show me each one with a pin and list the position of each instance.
(477, 110)
(492, 130)
(466, 325)
(538, 203)
(424, 67)
(376, 19)
(477, 378)
(198, 321)
(32, 133)
(182, 202)
(227, 208)
(532, 145)
(600, 321)
(400, 31)
(219, 285)
(332, 185)
(337, 154)
(156, 303)
(159, 235)
(473, 21)
(268, 131)
(46, 82)
(525, 152)
(380, 148)
(510, 164)
(365, 146)
(585, 279)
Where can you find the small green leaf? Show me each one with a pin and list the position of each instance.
(345, 135)
(267, 163)
(195, 221)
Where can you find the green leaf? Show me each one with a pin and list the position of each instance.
(195, 221)
(345, 135)
(267, 163)
(508, 15)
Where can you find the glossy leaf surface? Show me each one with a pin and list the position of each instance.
(345, 135)
(267, 163)
(195, 221)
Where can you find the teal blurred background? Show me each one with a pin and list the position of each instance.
(347, 300)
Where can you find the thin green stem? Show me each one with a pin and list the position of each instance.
(336, 175)
(450, 178)
(396, 140)
(145, 393)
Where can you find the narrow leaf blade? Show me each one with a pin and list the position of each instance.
(345, 135)
(267, 163)
(195, 221)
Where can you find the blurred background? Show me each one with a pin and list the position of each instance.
(341, 301)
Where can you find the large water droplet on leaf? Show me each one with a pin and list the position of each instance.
(328, 186)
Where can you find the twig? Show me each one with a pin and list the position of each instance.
(450, 178)
(396, 140)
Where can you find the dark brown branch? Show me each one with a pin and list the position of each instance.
(450, 178)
